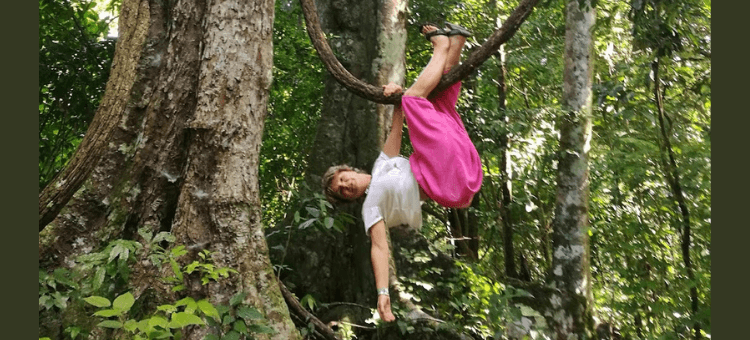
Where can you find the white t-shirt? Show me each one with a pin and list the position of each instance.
(393, 195)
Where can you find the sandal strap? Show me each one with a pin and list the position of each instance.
(457, 30)
(438, 31)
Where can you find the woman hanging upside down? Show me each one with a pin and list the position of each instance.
(444, 167)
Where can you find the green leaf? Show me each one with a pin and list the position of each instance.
(182, 319)
(110, 324)
(97, 301)
(261, 329)
(208, 309)
(228, 319)
(109, 312)
(158, 321)
(249, 313)
(176, 269)
(237, 298)
(124, 302)
(307, 223)
(178, 251)
(118, 251)
(308, 301)
(130, 325)
(190, 268)
(145, 326)
(211, 337)
(73, 331)
(240, 327)
(231, 335)
(99, 277)
(312, 211)
(167, 308)
(329, 222)
(184, 302)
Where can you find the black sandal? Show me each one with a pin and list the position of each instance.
(457, 30)
(430, 34)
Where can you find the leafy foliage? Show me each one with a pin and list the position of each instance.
(74, 63)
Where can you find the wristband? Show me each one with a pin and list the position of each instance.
(383, 291)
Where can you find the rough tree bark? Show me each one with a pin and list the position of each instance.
(570, 315)
(183, 156)
(672, 175)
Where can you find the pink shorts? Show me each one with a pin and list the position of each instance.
(445, 162)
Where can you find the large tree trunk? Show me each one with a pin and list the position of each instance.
(571, 276)
(184, 155)
(369, 38)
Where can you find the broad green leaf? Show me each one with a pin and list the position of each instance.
(190, 268)
(184, 301)
(109, 312)
(240, 327)
(211, 337)
(167, 308)
(308, 301)
(329, 222)
(73, 331)
(249, 313)
(124, 302)
(307, 223)
(130, 325)
(99, 277)
(110, 324)
(98, 301)
(145, 326)
(228, 319)
(208, 309)
(158, 321)
(182, 319)
(261, 329)
(178, 251)
(231, 335)
(237, 299)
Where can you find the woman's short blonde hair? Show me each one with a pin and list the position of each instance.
(331, 195)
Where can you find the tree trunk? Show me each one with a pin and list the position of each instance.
(673, 178)
(571, 276)
(184, 155)
(506, 191)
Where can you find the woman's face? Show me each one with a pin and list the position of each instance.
(346, 184)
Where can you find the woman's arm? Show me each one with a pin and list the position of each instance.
(379, 255)
(392, 144)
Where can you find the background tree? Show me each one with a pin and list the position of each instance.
(571, 309)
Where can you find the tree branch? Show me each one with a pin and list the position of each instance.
(374, 93)
(294, 305)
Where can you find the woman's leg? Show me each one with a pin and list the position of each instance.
(454, 52)
(432, 73)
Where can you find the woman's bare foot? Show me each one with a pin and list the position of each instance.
(434, 34)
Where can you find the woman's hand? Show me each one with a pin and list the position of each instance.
(391, 88)
(384, 308)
